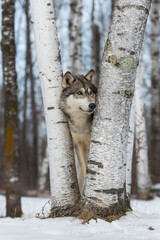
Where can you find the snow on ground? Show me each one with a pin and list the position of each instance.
(142, 223)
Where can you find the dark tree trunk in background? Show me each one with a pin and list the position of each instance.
(34, 169)
(75, 28)
(25, 161)
(30, 165)
(1, 140)
(95, 47)
(35, 124)
(10, 111)
(113, 6)
(155, 93)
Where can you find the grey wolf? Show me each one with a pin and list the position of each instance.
(78, 104)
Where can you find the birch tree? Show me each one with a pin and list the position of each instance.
(130, 145)
(63, 181)
(75, 28)
(143, 177)
(43, 172)
(155, 90)
(106, 171)
(12, 154)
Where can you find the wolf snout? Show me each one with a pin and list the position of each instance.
(92, 106)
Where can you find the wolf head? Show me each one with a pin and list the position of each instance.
(78, 93)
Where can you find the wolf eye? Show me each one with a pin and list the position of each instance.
(79, 93)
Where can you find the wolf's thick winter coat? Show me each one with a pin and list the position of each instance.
(78, 104)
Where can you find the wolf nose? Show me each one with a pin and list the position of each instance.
(92, 106)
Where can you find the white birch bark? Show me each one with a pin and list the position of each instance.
(43, 172)
(40, 144)
(75, 26)
(155, 90)
(143, 177)
(130, 146)
(63, 181)
(106, 170)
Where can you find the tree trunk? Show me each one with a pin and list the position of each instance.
(143, 177)
(2, 178)
(25, 163)
(10, 110)
(155, 93)
(106, 170)
(113, 6)
(63, 180)
(34, 172)
(42, 157)
(75, 27)
(42, 180)
(130, 146)
(95, 47)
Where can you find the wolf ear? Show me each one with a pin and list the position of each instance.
(91, 76)
(67, 80)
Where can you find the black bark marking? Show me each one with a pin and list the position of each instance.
(91, 172)
(132, 53)
(120, 34)
(96, 141)
(122, 49)
(110, 119)
(100, 165)
(50, 108)
(137, 7)
(111, 191)
(61, 122)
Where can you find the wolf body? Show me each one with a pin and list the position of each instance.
(78, 104)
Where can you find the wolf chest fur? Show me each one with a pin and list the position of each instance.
(78, 104)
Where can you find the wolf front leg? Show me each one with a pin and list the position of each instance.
(82, 154)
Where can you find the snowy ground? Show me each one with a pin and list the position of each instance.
(142, 223)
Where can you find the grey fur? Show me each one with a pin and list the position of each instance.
(77, 98)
